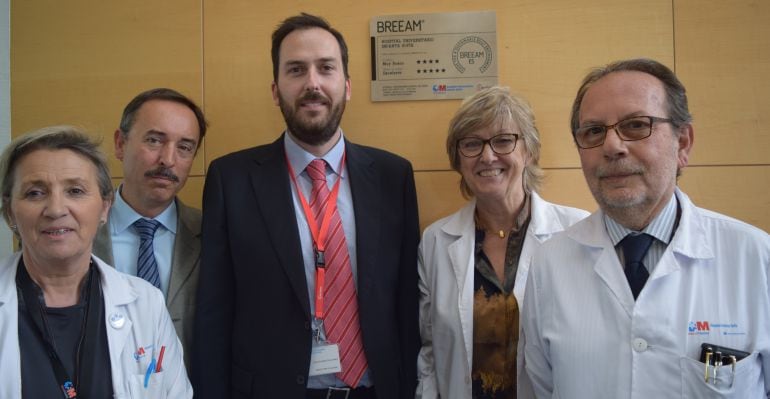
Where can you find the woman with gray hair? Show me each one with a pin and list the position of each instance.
(70, 325)
(473, 264)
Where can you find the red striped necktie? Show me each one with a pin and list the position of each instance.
(341, 303)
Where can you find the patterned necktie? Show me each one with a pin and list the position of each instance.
(146, 266)
(635, 247)
(341, 321)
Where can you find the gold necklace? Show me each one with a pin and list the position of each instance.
(500, 233)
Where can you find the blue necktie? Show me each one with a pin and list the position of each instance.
(146, 266)
(635, 247)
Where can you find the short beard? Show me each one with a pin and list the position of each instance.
(313, 134)
(612, 168)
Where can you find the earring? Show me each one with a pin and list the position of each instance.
(14, 228)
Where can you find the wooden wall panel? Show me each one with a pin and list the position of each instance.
(192, 193)
(737, 191)
(723, 58)
(80, 62)
(568, 187)
(438, 195)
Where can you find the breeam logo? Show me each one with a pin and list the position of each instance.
(698, 328)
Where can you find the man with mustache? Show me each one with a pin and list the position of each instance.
(309, 270)
(150, 232)
(650, 296)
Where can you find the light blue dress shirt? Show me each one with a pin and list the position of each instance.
(661, 227)
(125, 240)
(299, 159)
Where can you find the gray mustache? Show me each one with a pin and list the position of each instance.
(619, 168)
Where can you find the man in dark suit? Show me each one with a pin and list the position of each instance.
(157, 140)
(264, 328)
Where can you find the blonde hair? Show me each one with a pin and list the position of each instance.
(488, 107)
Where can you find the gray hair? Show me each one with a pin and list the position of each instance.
(676, 95)
(52, 138)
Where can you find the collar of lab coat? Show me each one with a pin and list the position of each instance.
(117, 291)
(114, 285)
(542, 222)
(8, 279)
(690, 239)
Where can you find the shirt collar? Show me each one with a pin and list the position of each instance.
(122, 216)
(661, 227)
(300, 159)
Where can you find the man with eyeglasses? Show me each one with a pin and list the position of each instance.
(650, 296)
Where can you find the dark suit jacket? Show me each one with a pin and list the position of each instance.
(183, 285)
(253, 326)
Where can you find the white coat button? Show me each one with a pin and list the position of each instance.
(639, 344)
(117, 321)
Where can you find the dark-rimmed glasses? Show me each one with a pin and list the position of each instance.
(500, 144)
(629, 129)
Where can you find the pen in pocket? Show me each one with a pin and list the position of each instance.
(160, 359)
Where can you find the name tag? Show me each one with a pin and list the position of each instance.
(325, 359)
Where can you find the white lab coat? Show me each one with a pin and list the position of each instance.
(446, 266)
(135, 316)
(587, 338)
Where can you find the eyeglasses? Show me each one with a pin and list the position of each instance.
(631, 129)
(500, 144)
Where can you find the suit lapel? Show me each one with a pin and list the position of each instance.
(365, 190)
(187, 248)
(272, 190)
(103, 244)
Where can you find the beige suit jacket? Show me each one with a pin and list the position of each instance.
(185, 262)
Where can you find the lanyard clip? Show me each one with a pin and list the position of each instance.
(320, 260)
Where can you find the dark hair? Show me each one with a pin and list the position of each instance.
(162, 93)
(52, 138)
(305, 21)
(676, 95)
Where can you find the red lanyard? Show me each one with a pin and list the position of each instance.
(319, 234)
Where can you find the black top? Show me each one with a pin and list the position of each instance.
(37, 376)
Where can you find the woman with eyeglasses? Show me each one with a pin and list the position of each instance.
(473, 264)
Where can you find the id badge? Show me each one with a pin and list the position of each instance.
(325, 359)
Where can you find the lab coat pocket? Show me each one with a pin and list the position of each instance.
(744, 382)
(153, 390)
